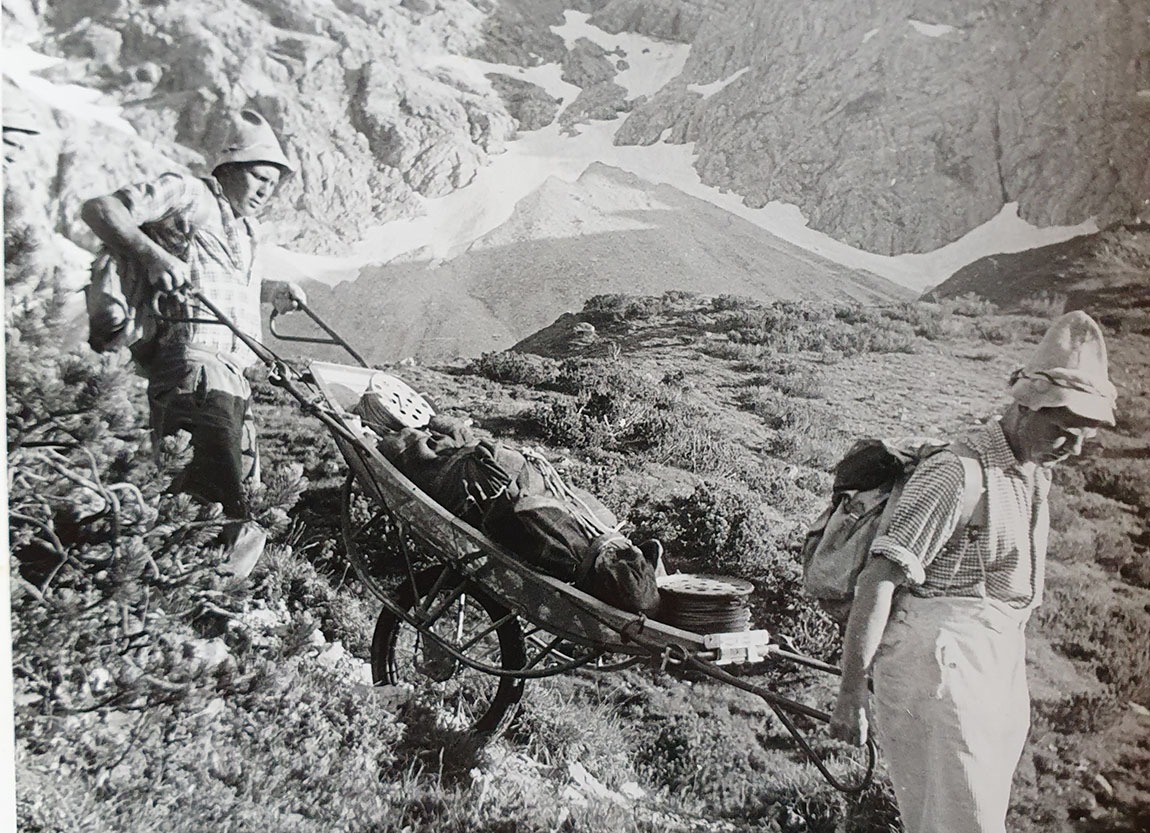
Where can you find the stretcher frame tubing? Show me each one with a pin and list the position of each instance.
(545, 602)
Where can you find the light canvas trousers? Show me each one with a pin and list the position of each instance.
(952, 711)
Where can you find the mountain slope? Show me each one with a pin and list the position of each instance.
(608, 232)
(899, 126)
(894, 127)
(1078, 272)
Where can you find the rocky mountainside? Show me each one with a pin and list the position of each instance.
(608, 232)
(349, 87)
(899, 126)
(894, 127)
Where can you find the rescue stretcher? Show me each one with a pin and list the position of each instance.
(465, 618)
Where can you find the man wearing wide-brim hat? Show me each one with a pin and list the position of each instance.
(185, 232)
(938, 619)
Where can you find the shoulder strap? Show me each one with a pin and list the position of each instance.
(973, 488)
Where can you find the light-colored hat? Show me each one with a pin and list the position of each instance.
(252, 140)
(1068, 370)
(18, 112)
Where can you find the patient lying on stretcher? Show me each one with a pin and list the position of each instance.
(514, 496)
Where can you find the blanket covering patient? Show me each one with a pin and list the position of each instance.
(514, 496)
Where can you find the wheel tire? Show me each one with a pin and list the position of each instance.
(484, 704)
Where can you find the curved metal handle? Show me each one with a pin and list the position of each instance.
(784, 707)
(333, 338)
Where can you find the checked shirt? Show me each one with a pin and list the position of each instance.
(190, 218)
(1002, 556)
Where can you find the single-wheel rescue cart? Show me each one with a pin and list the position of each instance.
(463, 613)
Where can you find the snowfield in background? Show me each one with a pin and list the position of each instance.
(452, 224)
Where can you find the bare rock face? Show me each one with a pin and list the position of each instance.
(674, 20)
(435, 139)
(895, 126)
(600, 102)
(586, 64)
(527, 103)
(348, 87)
(900, 126)
(519, 31)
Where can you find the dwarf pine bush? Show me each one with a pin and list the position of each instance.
(513, 368)
(150, 691)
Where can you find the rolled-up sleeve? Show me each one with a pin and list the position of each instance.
(925, 516)
(160, 198)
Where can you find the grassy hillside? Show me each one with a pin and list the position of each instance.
(150, 693)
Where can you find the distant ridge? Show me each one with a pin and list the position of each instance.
(1077, 273)
(607, 232)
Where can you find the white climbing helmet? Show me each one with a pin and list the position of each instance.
(392, 404)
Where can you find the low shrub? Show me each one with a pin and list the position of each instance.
(512, 368)
(789, 327)
(727, 303)
(970, 305)
(625, 307)
(790, 380)
(995, 331)
(1045, 304)
(1121, 480)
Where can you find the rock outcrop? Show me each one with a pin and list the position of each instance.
(1075, 274)
(900, 126)
(894, 126)
(601, 102)
(527, 103)
(356, 90)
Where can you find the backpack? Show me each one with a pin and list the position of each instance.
(118, 299)
(868, 481)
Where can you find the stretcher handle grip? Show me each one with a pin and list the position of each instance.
(333, 338)
(219, 318)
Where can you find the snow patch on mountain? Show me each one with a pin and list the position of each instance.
(649, 63)
(708, 90)
(474, 70)
(450, 225)
(931, 30)
(84, 103)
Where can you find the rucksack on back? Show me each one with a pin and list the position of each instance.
(868, 481)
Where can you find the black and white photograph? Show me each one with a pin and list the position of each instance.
(576, 416)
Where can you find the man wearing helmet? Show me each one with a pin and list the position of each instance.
(184, 232)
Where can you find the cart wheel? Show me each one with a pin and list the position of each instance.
(472, 623)
(373, 541)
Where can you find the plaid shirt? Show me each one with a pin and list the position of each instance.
(190, 218)
(1003, 553)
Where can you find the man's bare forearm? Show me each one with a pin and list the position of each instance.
(111, 222)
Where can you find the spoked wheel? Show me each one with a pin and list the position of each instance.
(474, 625)
(375, 543)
